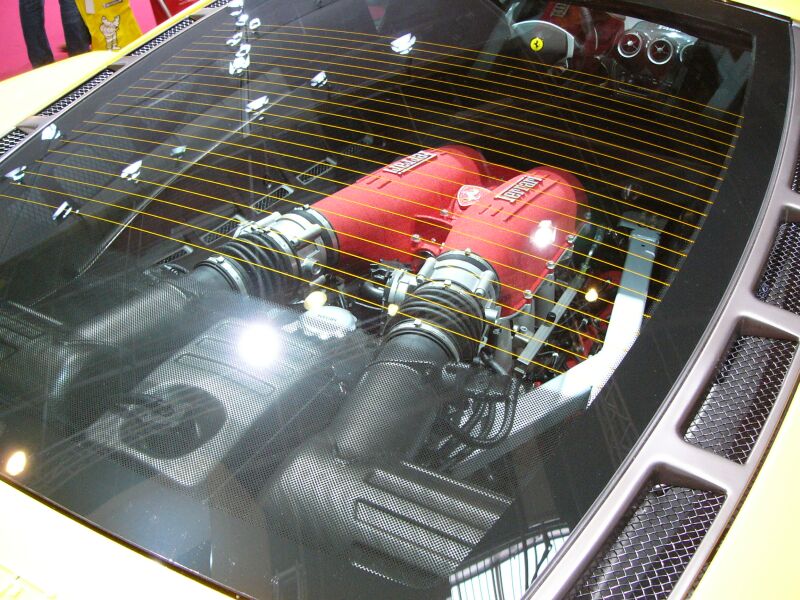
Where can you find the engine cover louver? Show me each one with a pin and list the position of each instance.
(162, 37)
(63, 102)
(779, 282)
(796, 178)
(11, 140)
(652, 546)
(740, 398)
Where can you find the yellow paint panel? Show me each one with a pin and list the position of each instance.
(760, 554)
(30, 92)
(49, 555)
(787, 8)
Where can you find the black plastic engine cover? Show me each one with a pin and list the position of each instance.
(210, 404)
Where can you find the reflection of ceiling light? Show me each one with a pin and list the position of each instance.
(320, 79)
(62, 212)
(236, 7)
(592, 295)
(242, 20)
(315, 300)
(257, 104)
(235, 39)
(404, 44)
(243, 50)
(544, 235)
(132, 171)
(258, 345)
(51, 132)
(16, 463)
(17, 174)
(254, 24)
(238, 65)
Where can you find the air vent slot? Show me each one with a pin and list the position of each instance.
(162, 37)
(276, 195)
(178, 254)
(739, 400)
(652, 546)
(226, 229)
(317, 170)
(11, 140)
(76, 94)
(780, 282)
(357, 147)
(796, 178)
(218, 3)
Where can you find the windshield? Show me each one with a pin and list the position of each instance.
(304, 299)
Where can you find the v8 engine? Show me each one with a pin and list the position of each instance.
(360, 358)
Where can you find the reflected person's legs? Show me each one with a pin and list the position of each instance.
(75, 32)
(31, 15)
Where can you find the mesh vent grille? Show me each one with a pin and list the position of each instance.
(218, 3)
(10, 140)
(162, 37)
(225, 229)
(796, 178)
(650, 551)
(180, 253)
(77, 93)
(277, 194)
(741, 397)
(780, 283)
(316, 170)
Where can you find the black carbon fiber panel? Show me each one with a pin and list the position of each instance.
(779, 284)
(741, 397)
(77, 93)
(653, 546)
(10, 140)
(162, 37)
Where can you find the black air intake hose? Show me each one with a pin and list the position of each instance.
(444, 314)
(254, 264)
(273, 258)
(349, 489)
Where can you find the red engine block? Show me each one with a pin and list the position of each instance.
(450, 198)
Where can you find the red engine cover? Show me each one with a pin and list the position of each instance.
(518, 226)
(447, 199)
(377, 217)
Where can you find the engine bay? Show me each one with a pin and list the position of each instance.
(344, 284)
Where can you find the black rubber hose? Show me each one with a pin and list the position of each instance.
(248, 254)
(455, 314)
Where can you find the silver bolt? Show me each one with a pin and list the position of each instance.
(217, 259)
(415, 238)
(527, 294)
(571, 238)
(417, 323)
(468, 252)
(550, 265)
(444, 212)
